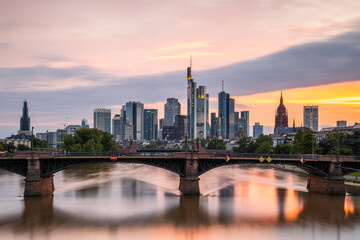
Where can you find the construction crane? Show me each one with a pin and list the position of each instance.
(66, 121)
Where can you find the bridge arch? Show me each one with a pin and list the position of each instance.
(49, 167)
(206, 165)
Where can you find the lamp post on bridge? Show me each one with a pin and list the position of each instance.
(32, 147)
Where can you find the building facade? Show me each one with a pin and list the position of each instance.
(257, 130)
(311, 117)
(151, 124)
(25, 119)
(180, 127)
(244, 121)
(341, 123)
(71, 129)
(132, 121)
(226, 110)
(191, 105)
(202, 113)
(102, 119)
(172, 108)
(116, 126)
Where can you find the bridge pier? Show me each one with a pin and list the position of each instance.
(189, 184)
(334, 184)
(35, 185)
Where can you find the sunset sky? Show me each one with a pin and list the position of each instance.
(69, 57)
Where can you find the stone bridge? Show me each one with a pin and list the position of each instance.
(38, 167)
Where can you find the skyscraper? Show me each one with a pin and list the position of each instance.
(226, 109)
(116, 126)
(102, 119)
(191, 105)
(84, 123)
(311, 117)
(180, 126)
(25, 119)
(281, 115)
(172, 108)
(202, 112)
(150, 124)
(132, 121)
(257, 130)
(245, 122)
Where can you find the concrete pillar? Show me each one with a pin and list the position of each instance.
(189, 184)
(35, 185)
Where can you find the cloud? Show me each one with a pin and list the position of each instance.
(4, 45)
(188, 45)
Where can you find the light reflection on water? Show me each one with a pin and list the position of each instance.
(110, 201)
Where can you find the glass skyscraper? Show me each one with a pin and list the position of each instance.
(311, 117)
(257, 130)
(226, 115)
(150, 124)
(116, 125)
(202, 113)
(244, 122)
(132, 121)
(102, 119)
(172, 108)
(191, 105)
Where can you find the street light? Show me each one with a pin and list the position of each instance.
(32, 147)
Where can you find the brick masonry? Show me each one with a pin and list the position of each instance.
(39, 187)
(325, 185)
(189, 186)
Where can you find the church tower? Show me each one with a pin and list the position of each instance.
(281, 115)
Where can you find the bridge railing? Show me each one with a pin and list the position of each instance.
(259, 155)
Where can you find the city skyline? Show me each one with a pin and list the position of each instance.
(74, 65)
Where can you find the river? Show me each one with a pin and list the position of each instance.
(129, 201)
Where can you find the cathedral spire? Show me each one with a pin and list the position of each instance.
(281, 99)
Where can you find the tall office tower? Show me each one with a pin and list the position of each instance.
(257, 130)
(116, 126)
(84, 123)
(226, 115)
(236, 123)
(172, 108)
(202, 112)
(25, 119)
(191, 105)
(168, 133)
(207, 117)
(232, 133)
(161, 125)
(311, 117)
(132, 121)
(102, 119)
(150, 124)
(180, 127)
(213, 126)
(245, 122)
(281, 115)
(341, 123)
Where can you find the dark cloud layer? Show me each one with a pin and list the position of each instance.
(317, 63)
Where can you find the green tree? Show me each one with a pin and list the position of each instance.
(151, 146)
(282, 148)
(342, 151)
(22, 147)
(90, 140)
(202, 140)
(216, 143)
(245, 145)
(352, 141)
(296, 147)
(3, 146)
(309, 143)
(264, 147)
(11, 147)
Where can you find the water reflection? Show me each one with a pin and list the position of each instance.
(129, 208)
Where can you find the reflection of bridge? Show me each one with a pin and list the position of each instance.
(39, 213)
(325, 172)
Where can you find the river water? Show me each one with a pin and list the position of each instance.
(129, 201)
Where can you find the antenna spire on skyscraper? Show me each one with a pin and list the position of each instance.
(222, 85)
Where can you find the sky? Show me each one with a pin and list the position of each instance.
(68, 57)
